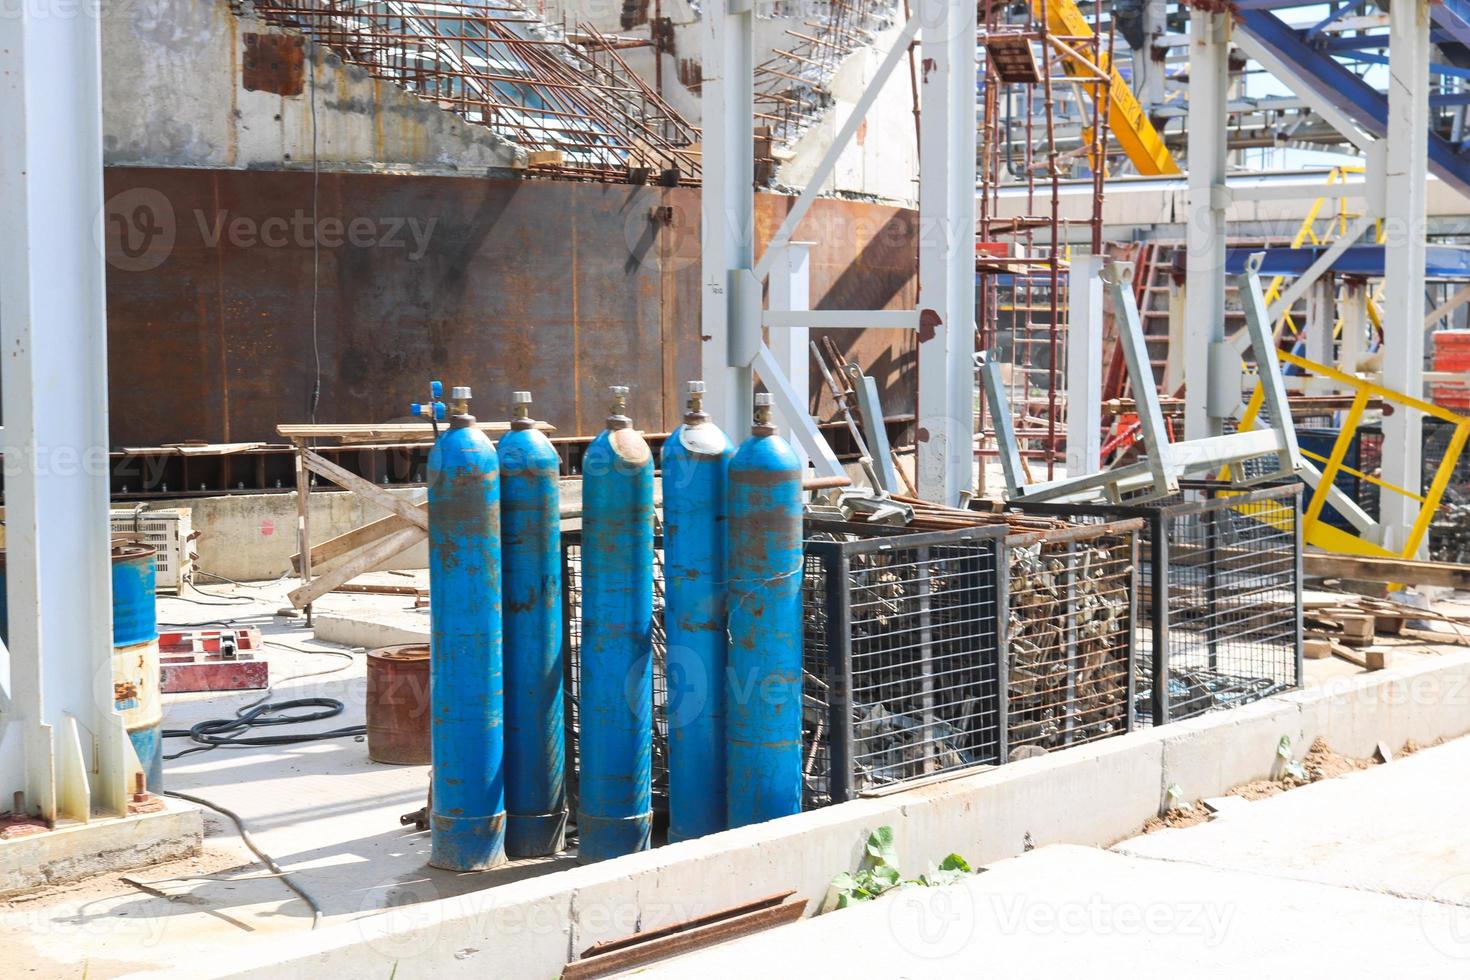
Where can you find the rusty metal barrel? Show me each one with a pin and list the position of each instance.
(136, 677)
(398, 705)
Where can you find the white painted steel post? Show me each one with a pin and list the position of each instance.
(1321, 319)
(1354, 323)
(54, 324)
(790, 289)
(1403, 270)
(946, 422)
(1205, 261)
(1084, 365)
(727, 212)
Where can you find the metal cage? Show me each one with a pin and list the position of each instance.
(902, 656)
(902, 661)
(1225, 626)
(1070, 602)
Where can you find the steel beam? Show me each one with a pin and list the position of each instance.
(790, 291)
(946, 420)
(1403, 262)
(1358, 100)
(63, 745)
(1084, 364)
(1205, 271)
(727, 214)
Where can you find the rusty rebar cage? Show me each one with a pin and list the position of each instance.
(1221, 595)
(1070, 601)
(902, 656)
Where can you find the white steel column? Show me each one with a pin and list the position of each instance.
(1084, 365)
(1403, 273)
(1149, 74)
(945, 431)
(1354, 323)
(53, 320)
(1205, 261)
(728, 212)
(790, 289)
(1321, 319)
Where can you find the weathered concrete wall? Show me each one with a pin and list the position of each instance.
(175, 94)
(883, 157)
(250, 537)
(881, 162)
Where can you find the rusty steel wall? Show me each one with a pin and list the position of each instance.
(557, 287)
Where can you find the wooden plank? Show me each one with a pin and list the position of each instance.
(1316, 648)
(631, 951)
(367, 489)
(363, 560)
(1367, 659)
(405, 431)
(354, 539)
(1404, 570)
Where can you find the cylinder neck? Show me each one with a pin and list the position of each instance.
(522, 420)
(464, 421)
(763, 425)
(619, 419)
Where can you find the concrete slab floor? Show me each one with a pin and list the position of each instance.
(1367, 875)
(323, 810)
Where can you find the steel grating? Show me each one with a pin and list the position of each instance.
(1224, 628)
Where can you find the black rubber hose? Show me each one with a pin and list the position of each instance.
(230, 731)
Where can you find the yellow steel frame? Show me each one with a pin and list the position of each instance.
(1323, 535)
(1337, 224)
(1136, 135)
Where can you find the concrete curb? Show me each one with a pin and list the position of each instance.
(81, 850)
(1095, 794)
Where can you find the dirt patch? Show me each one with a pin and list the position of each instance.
(1411, 746)
(1318, 764)
(1177, 818)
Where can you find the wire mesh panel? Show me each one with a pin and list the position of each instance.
(571, 584)
(1224, 628)
(902, 655)
(1069, 635)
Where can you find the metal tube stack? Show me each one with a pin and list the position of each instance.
(695, 459)
(530, 527)
(615, 804)
(763, 693)
(467, 813)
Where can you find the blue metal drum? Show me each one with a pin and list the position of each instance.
(695, 458)
(467, 734)
(763, 692)
(615, 803)
(136, 675)
(530, 531)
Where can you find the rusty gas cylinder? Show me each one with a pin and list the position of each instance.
(398, 705)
